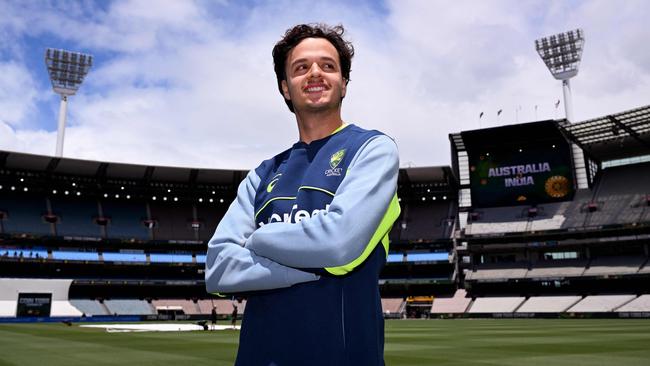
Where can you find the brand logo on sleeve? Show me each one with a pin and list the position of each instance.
(335, 160)
(273, 182)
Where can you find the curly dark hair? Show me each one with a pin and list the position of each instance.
(295, 35)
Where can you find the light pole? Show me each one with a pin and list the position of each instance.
(67, 71)
(562, 53)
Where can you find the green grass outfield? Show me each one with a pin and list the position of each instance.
(408, 342)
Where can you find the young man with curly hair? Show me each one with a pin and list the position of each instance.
(307, 236)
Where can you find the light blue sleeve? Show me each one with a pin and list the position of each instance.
(229, 267)
(338, 236)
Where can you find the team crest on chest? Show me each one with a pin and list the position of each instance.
(335, 160)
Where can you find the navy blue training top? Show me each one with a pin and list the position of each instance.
(311, 257)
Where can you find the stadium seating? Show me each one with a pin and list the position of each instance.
(392, 306)
(75, 217)
(551, 216)
(614, 265)
(646, 268)
(498, 220)
(24, 215)
(498, 271)
(453, 305)
(548, 304)
(557, 268)
(610, 208)
(129, 307)
(625, 179)
(173, 221)
(640, 304)
(125, 219)
(600, 303)
(495, 304)
(425, 221)
(89, 307)
(209, 216)
(575, 213)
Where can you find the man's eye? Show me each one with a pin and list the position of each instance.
(328, 66)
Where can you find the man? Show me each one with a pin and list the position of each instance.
(233, 315)
(213, 317)
(307, 235)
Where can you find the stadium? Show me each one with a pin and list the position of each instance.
(99, 242)
(531, 247)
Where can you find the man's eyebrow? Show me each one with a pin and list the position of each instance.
(322, 58)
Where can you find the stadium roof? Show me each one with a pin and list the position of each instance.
(616, 136)
(440, 174)
(122, 171)
(98, 169)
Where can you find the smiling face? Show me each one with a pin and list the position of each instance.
(313, 76)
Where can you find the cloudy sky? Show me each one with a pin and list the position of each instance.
(191, 83)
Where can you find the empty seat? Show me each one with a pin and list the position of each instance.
(600, 303)
(640, 304)
(496, 304)
(452, 305)
(392, 306)
(548, 304)
(557, 269)
(89, 307)
(129, 307)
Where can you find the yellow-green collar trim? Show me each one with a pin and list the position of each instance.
(344, 125)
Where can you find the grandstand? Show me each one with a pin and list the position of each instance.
(539, 235)
(513, 228)
(131, 240)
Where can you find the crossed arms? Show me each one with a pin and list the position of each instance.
(244, 258)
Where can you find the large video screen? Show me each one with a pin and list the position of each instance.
(34, 304)
(526, 175)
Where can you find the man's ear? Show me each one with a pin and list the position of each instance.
(285, 90)
(344, 89)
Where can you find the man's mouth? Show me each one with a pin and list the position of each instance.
(314, 88)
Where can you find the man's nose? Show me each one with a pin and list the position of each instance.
(314, 70)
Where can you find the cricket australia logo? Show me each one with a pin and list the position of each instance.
(335, 160)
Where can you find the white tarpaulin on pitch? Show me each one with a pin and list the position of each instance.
(156, 327)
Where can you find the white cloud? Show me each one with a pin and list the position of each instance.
(18, 93)
(187, 84)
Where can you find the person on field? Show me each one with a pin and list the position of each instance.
(213, 317)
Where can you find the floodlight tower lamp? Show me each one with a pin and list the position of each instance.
(67, 71)
(562, 54)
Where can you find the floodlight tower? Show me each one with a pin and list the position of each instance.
(562, 53)
(67, 71)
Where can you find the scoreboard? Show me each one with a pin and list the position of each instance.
(523, 164)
